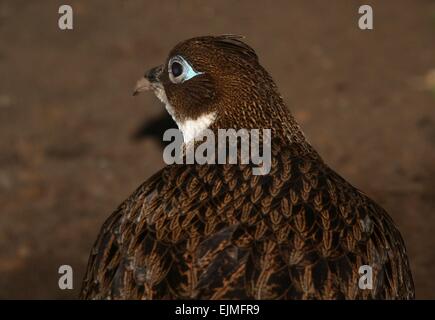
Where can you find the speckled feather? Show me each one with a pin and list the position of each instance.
(219, 232)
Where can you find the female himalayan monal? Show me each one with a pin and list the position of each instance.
(218, 231)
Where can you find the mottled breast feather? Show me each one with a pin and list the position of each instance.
(218, 232)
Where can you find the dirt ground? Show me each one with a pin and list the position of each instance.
(365, 99)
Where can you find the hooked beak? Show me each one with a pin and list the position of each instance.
(150, 78)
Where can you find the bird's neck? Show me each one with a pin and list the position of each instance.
(264, 113)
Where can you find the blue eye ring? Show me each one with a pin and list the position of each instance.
(180, 70)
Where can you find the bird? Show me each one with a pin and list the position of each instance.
(218, 231)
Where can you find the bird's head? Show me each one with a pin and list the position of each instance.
(216, 82)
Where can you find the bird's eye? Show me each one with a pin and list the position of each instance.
(177, 69)
(180, 70)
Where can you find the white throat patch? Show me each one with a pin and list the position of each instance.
(190, 128)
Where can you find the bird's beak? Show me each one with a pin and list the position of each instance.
(151, 77)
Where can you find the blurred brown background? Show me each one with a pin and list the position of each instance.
(365, 99)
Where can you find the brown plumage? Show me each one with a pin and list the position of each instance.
(218, 231)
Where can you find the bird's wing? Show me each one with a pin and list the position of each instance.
(112, 270)
(165, 242)
(327, 231)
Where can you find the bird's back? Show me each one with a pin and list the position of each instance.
(219, 232)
